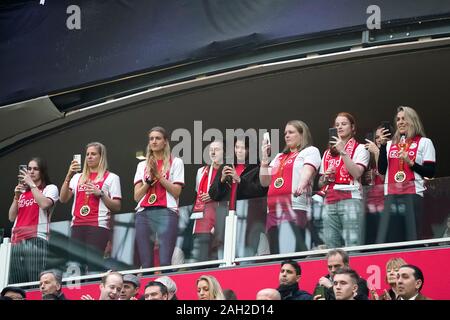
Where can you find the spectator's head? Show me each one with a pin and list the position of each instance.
(38, 170)
(229, 294)
(345, 284)
(14, 293)
(392, 267)
(241, 149)
(407, 122)
(409, 281)
(296, 136)
(290, 273)
(111, 286)
(130, 287)
(50, 282)
(336, 259)
(268, 294)
(155, 290)
(96, 158)
(216, 152)
(208, 288)
(346, 125)
(170, 285)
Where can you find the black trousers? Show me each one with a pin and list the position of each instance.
(401, 218)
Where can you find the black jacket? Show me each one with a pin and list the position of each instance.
(249, 187)
(361, 294)
(292, 292)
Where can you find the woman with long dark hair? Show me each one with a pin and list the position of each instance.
(31, 210)
(237, 181)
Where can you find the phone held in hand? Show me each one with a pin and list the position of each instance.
(266, 141)
(77, 158)
(370, 136)
(266, 137)
(22, 167)
(319, 291)
(386, 125)
(332, 132)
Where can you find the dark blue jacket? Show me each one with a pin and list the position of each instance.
(292, 292)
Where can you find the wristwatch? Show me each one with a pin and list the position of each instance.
(102, 193)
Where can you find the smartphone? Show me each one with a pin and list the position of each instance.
(386, 125)
(77, 158)
(319, 291)
(266, 137)
(22, 167)
(332, 132)
(370, 136)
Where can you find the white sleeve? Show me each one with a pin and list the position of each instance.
(312, 157)
(51, 192)
(198, 177)
(429, 153)
(74, 182)
(114, 188)
(273, 162)
(361, 156)
(322, 164)
(139, 175)
(177, 171)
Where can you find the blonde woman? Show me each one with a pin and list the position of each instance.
(97, 194)
(157, 187)
(405, 161)
(208, 288)
(392, 267)
(289, 177)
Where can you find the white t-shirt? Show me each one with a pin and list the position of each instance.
(100, 215)
(308, 156)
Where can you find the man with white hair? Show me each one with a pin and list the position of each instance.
(170, 285)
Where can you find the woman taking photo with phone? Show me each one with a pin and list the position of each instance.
(157, 187)
(342, 167)
(289, 177)
(405, 161)
(97, 194)
(237, 181)
(31, 209)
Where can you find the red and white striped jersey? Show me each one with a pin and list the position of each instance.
(420, 150)
(33, 221)
(99, 215)
(163, 197)
(291, 174)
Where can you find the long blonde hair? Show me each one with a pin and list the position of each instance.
(214, 287)
(102, 165)
(149, 155)
(415, 125)
(303, 129)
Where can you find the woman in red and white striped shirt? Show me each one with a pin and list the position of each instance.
(31, 209)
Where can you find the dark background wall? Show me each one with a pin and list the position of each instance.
(371, 89)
